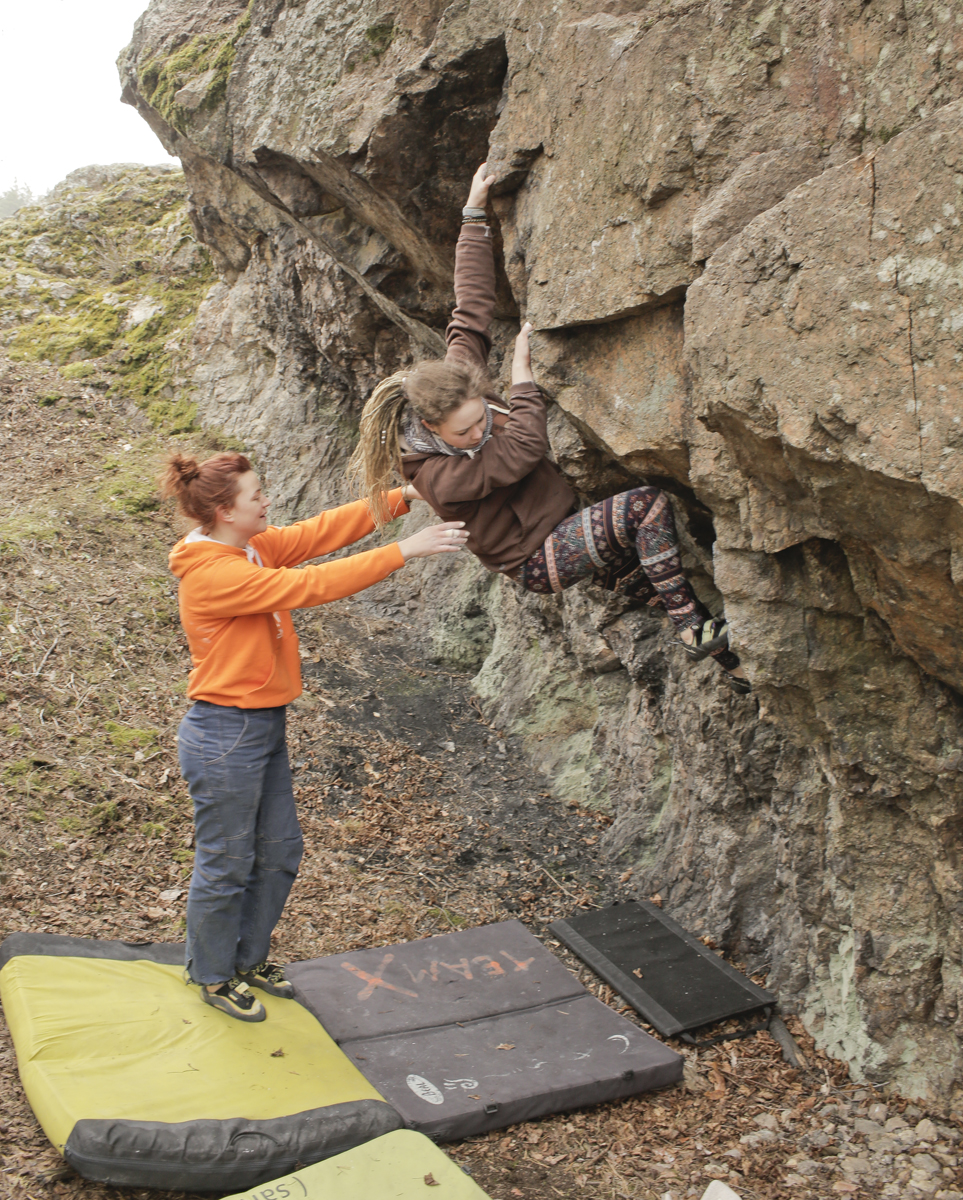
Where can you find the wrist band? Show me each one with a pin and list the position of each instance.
(468, 211)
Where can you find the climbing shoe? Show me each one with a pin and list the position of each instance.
(742, 687)
(711, 635)
(236, 999)
(269, 977)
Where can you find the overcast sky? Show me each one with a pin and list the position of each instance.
(59, 92)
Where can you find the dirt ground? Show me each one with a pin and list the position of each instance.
(419, 817)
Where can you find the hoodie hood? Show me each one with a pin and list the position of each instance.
(196, 548)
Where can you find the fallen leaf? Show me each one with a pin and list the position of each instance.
(718, 1082)
(516, 1192)
(431, 1180)
(656, 900)
(637, 972)
(506, 1046)
(279, 1053)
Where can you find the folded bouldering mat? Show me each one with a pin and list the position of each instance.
(397, 1166)
(476, 1030)
(136, 1081)
(668, 976)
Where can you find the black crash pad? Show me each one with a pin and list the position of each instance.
(668, 976)
(476, 1030)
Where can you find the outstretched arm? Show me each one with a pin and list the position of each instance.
(234, 587)
(468, 331)
(330, 530)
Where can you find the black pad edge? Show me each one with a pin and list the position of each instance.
(637, 997)
(641, 1001)
(58, 945)
(221, 1156)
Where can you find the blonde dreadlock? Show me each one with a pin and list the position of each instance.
(376, 462)
(433, 390)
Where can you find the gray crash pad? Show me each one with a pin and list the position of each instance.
(476, 1030)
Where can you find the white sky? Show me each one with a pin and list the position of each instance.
(60, 103)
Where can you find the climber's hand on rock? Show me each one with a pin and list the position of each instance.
(481, 182)
(435, 539)
(522, 358)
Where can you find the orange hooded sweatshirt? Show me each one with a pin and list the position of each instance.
(234, 604)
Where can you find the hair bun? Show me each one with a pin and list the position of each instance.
(186, 469)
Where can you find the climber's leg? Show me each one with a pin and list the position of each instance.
(646, 514)
(628, 544)
(577, 548)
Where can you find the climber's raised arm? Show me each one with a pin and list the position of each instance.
(522, 358)
(468, 335)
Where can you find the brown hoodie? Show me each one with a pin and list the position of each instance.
(508, 494)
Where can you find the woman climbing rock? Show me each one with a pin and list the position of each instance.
(236, 590)
(441, 426)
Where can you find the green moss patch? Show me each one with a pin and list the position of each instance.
(125, 738)
(205, 60)
(380, 36)
(105, 283)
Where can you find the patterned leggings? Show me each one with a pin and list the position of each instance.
(625, 544)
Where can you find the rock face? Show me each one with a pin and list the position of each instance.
(737, 232)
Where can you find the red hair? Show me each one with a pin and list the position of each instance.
(201, 488)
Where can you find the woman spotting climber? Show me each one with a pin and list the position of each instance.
(440, 426)
(236, 588)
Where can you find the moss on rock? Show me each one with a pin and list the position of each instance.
(205, 61)
(104, 279)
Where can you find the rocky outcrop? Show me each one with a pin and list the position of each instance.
(736, 230)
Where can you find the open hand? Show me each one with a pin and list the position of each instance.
(522, 358)
(481, 182)
(434, 539)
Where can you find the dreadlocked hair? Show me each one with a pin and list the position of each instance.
(432, 390)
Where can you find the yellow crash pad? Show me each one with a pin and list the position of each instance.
(399, 1166)
(136, 1081)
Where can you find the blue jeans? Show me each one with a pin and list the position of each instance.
(248, 841)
